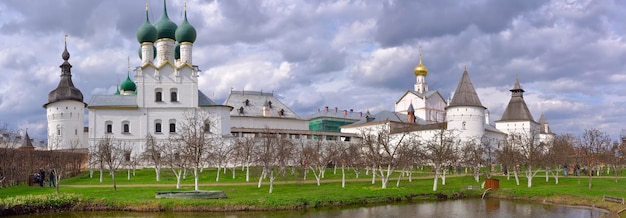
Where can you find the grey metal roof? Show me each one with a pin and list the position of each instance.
(543, 122)
(255, 101)
(420, 95)
(388, 116)
(113, 101)
(66, 89)
(517, 110)
(465, 94)
(27, 143)
(204, 100)
(336, 113)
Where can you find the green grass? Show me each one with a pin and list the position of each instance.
(292, 192)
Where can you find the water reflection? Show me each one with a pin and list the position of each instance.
(454, 208)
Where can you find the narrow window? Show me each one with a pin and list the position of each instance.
(157, 127)
(109, 127)
(207, 126)
(158, 96)
(172, 127)
(173, 96)
(126, 128)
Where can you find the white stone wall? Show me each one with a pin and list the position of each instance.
(469, 122)
(65, 124)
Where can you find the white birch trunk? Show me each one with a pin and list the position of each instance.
(217, 176)
(436, 178)
(373, 176)
(195, 178)
(343, 176)
(157, 170)
(516, 177)
(271, 181)
(443, 176)
(101, 174)
(261, 178)
(128, 173)
(248, 172)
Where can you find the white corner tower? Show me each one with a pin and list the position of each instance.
(465, 114)
(65, 111)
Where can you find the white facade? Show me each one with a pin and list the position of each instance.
(162, 98)
(65, 125)
(464, 115)
(468, 121)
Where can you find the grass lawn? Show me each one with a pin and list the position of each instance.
(291, 191)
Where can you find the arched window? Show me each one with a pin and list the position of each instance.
(207, 126)
(172, 126)
(58, 129)
(157, 126)
(125, 127)
(108, 127)
(158, 95)
(173, 95)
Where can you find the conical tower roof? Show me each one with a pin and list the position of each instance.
(465, 94)
(517, 110)
(27, 144)
(66, 89)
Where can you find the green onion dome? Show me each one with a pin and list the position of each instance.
(185, 32)
(146, 32)
(177, 52)
(165, 27)
(153, 52)
(128, 85)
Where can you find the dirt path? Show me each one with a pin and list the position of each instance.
(251, 183)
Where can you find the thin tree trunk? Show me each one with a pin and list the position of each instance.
(436, 178)
(248, 172)
(261, 178)
(217, 176)
(158, 173)
(195, 178)
(271, 181)
(373, 176)
(515, 174)
(343, 176)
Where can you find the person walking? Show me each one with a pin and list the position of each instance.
(52, 178)
(42, 175)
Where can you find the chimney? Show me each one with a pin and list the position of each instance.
(326, 109)
(411, 116)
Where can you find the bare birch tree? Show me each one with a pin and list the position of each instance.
(594, 145)
(383, 148)
(439, 150)
(110, 155)
(196, 140)
(153, 154)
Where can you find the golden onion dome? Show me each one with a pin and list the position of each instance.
(420, 70)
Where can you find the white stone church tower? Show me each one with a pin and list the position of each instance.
(65, 111)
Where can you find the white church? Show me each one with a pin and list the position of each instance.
(425, 112)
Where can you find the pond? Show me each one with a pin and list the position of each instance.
(452, 208)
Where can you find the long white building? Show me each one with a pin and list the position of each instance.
(425, 112)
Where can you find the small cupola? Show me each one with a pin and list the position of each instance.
(165, 27)
(185, 32)
(146, 32)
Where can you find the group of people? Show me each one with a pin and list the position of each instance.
(40, 178)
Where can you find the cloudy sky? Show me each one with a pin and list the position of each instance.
(570, 55)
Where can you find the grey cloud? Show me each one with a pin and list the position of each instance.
(402, 21)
